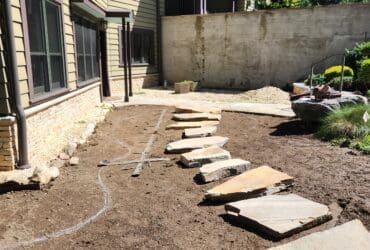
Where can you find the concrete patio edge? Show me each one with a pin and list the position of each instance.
(281, 110)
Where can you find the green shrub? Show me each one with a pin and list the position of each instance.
(363, 77)
(347, 83)
(345, 123)
(317, 79)
(335, 71)
(362, 145)
(368, 93)
(360, 52)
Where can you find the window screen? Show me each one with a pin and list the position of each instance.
(87, 50)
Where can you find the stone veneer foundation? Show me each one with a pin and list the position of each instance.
(51, 126)
(7, 143)
(138, 84)
(51, 129)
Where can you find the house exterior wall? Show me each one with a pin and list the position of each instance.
(144, 17)
(249, 50)
(59, 120)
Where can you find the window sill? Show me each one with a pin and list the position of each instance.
(88, 82)
(138, 65)
(38, 99)
(30, 111)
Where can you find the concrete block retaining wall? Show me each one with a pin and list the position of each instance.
(249, 50)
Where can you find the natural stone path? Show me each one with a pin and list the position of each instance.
(277, 215)
(283, 110)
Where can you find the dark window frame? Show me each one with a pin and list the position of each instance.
(152, 49)
(53, 93)
(79, 17)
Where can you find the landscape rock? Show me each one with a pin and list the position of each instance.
(44, 175)
(300, 88)
(59, 163)
(200, 132)
(186, 145)
(197, 109)
(221, 169)
(74, 161)
(253, 183)
(199, 124)
(63, 156)
(71, 149)
(196, 117)
(312, 111)
(350, 235)
(199, 157)
(280, 215)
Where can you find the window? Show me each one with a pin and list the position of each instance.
(45, 46)
(142, 46)
(87, 50)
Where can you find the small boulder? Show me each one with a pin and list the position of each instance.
(63, 156)
(74, 161)
(43, 175)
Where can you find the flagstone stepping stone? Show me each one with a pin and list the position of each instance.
(350, 235)
(199, 157)
(186, 145)
(280, 215)
(200, 132)
(253, 183)
(199, 124)
(221, 169)
(196, 117)
(197, 109)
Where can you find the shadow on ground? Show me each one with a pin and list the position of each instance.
(294, 127)
(247, 225)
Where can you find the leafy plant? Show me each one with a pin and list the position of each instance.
(346, 123)
(360, 52)
(362, 145)
(317, 79)
(347, 82)
(335, 71)
(364, 75)
(368, 93)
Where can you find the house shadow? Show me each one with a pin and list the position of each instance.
(294, 127)
(13, 187)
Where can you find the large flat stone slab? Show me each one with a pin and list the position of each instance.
(200, 132)
(199, 124)
(199, 157)
(280, 215)
(221, 169)
(186, 145)
(196, 117)
(253, 183)
(197, 109)
(350, 235)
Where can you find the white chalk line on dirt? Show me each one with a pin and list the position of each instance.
(80, 225)
(105, 191)
(144, 155)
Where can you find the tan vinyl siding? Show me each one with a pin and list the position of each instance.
(103, 4)
(20, 48)
(4, 93)
(145, 18)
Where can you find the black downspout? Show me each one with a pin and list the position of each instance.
(129, 58)
(125, 57)
(159, 43)
(20, 115)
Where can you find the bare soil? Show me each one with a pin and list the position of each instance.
(163, 207)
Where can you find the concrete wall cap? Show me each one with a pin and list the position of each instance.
(7, 120)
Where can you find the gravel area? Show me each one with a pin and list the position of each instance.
(269, 95)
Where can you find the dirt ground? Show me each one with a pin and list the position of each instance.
(163, 207)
